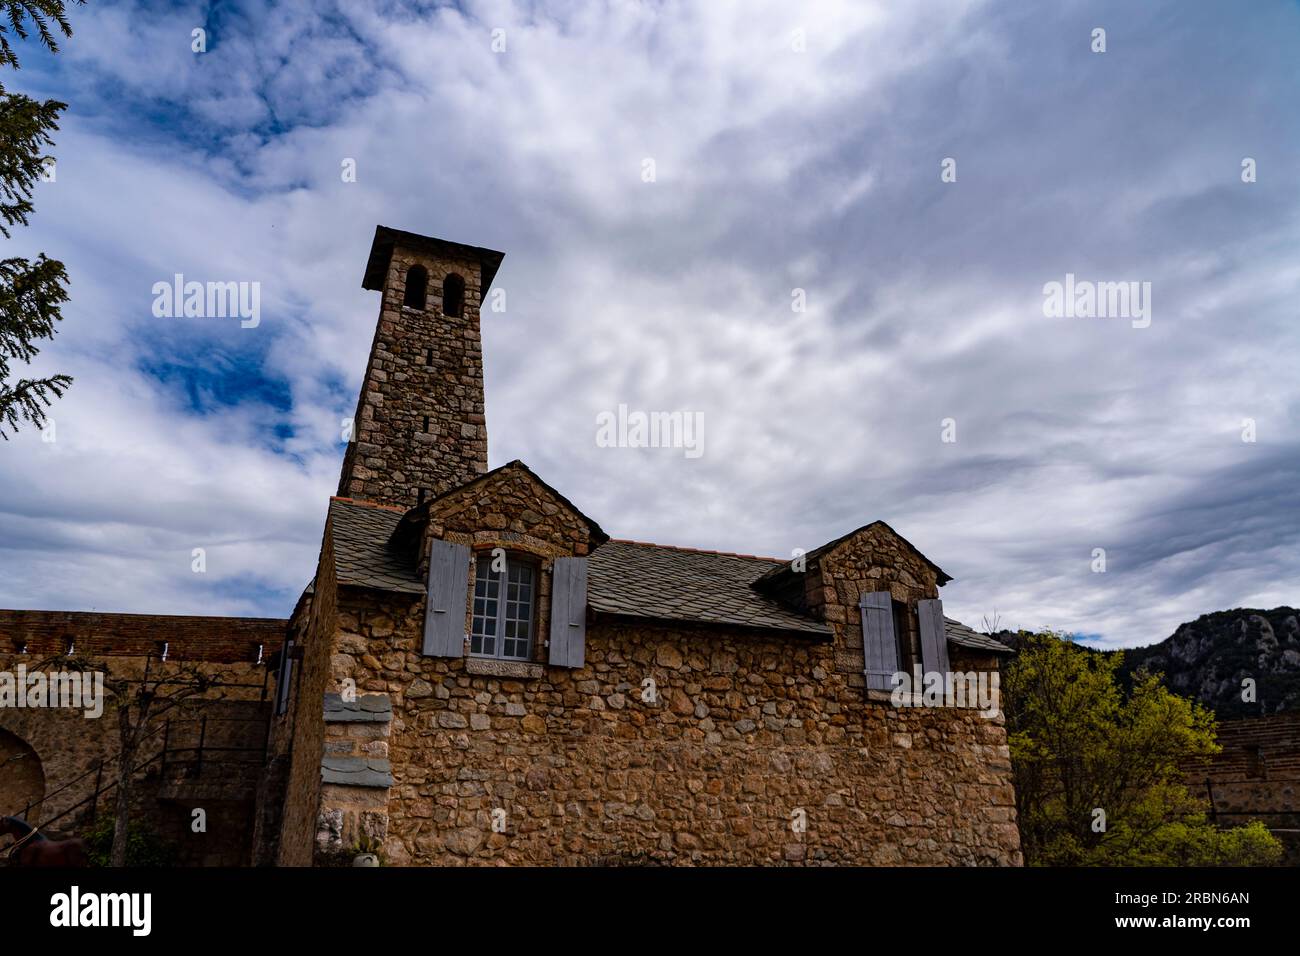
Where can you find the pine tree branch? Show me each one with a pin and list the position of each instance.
(40, 12)
(31, 293)
(26, 126)
(28, 400)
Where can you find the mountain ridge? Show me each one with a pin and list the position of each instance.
(1209, 659)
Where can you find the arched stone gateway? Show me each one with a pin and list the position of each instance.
(22, 778)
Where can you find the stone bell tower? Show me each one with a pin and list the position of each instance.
(419, 428)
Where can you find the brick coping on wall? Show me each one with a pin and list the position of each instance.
(94, 633)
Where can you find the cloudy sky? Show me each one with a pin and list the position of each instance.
(794, 147)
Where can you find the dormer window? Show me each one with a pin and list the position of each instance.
(417, 287)
(453, 296)
(503, 609)
(896, 638)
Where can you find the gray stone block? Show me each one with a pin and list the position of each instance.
(367, 708)
(356, 771)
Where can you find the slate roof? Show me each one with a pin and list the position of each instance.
(362, 555)
(959, 633)
(625, 579)
(653, 581)
(381, 253)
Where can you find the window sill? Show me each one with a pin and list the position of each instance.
(917, 701)
(494, 667)
(887, 697)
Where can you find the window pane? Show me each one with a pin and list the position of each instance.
(487, 588)
(518, 611)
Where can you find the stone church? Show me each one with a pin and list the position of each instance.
(479, 674)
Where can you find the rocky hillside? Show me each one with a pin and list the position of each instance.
(1210, 657)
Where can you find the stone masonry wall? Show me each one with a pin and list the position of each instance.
(354, 800)
(747, 736)
(512, 509)
(299, 736)
(875, 559)
(215, 639)
(669, 746)
(1256, 776)
(77, 754)
(420, 425)
(22, 778)
(68, 746)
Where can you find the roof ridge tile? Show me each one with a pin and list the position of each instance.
(365, 503)
(678, 547)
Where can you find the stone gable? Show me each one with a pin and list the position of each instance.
(512, 508)
(875, 558)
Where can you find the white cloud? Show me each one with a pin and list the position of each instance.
(776, 169)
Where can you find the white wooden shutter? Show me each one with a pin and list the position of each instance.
(569, 612)
(879, 646)
(934, 636)
(444, 614)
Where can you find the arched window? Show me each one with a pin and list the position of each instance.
(417, 287)
(453, 296)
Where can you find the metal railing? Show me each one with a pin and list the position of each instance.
(257, 752)
(165, 757)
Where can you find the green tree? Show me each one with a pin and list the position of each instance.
(1099, 774)
(32, 293)
(144, 847)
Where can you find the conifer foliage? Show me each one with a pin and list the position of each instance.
(32, 292)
